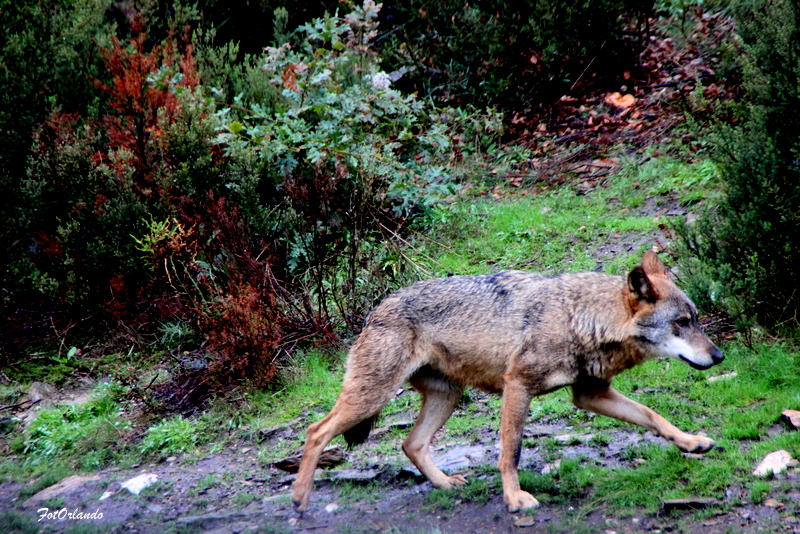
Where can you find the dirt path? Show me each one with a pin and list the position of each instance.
(376, 490)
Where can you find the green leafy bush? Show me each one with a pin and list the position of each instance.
(747, 255)
(94, 182)
(48, 55)
(349, 157)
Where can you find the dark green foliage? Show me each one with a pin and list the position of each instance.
(511, 54)
(748, 251)
(48, 57)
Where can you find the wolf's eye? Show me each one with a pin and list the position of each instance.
(683, 321)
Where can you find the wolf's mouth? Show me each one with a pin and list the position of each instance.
(694, 364)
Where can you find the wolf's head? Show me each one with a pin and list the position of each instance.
(665, 320)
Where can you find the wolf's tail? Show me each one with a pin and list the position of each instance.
(360, 432)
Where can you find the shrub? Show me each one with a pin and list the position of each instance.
(94, 182)
(344, 161)
(747, 258)
(262, 220)
(511, 54)
(48, 55)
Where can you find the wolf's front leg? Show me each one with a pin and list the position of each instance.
(516, 402)
(605, 400)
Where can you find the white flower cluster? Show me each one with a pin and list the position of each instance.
(381, 81)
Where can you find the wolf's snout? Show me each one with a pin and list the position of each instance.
(717, 356)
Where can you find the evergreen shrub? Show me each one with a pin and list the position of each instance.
(746, 250)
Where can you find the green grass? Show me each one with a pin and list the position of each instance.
(312, 384)
(245, 498)
(17, 523)
(736, 413)
(173, 435)
(84, 435)
(558, 231)
(477, 490)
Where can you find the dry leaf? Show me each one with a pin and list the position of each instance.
(526, 521)
(289, 76)
(620, 101)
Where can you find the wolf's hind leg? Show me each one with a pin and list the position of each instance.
(605, 400)
(439, 399)
(344, 415)
(363, 396)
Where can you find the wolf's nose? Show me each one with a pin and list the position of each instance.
(717, 356)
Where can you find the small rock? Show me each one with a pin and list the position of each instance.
(792, 417)
(105, 495)
(572, 438)
(41, 391)
(527, 521)
(293, 521)
(171, 459)
(726, 376)
(69, 483)
(551, 468)
(136, 484)
(775, 462)
(773, 503)
(332, 507)
(267, 433)
(155, 508)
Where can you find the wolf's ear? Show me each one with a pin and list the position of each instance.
(640, 285)
(653, 266)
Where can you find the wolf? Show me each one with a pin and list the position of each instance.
(521, 335)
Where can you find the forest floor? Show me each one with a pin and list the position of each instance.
(232, 491)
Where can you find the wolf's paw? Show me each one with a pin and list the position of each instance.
(456, 481)
(696, 444)
(299, 507)
(443, 481)
(520, 500)
(300, 501)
